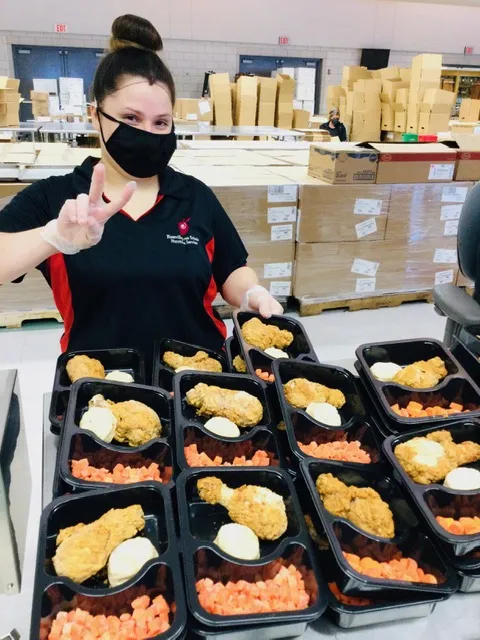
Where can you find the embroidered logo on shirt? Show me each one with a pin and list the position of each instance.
(183, 227)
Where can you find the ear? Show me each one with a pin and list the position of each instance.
(94, 117)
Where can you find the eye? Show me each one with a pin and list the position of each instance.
(129, 117)
(162, 123)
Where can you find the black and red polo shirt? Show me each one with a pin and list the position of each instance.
(147, 279)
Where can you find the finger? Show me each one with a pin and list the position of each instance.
(116, 205)
(94, 228)
(97, 184)
(68, 212)
(83, 202)
(264, 307)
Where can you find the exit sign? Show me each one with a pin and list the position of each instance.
(468, 51)
(61, 28)
(282, 39)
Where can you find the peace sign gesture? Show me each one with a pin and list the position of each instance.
(81, 222)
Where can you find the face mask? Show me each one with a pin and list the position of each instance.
(139, 153)
(335, 120)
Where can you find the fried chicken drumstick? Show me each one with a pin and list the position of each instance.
(300, 392)
(362, 506)
(258, 508)
(238, 406)
(201, 361)
(264, 336)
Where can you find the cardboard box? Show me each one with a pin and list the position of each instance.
(221, 94)
(10, 115)
(388, 116)
(273, 262)
(343, 163)
(468, 156)
(39, 96)
(390, 87)
(469, 110)
(413, 163)
(400, 118)
(334, 93)
(246, 101)
(12, 84)
(425, 210)
(412, 117)
(434, 112)
(401, 97)
(301, 119)
(6, 95)
(351, 74)
(193, 110)
(267, 96)
(284, 105)
(390, 73)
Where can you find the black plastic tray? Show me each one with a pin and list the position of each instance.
(248, 632)
(129, 360)
(255, 358)
(301, 427)
(431, 498)
(75, 440)
(232, 347)
(159, 576)
(457, 386)
(409, 538)
(202, 558)
(163, 374)
(247, 444)
(468, 582)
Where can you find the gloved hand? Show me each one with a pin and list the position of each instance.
(80, 222)
(258, 299)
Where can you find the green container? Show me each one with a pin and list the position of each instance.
(409, 137)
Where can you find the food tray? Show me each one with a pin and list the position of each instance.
(301, 427)
(468, 582)
(409, 537)
(255, 358)
(202, 558)
(249, 632)
(163, 374)
(383, 610)
(128, 360)
(232, 348)
(228, 448)
(76, 441)
(431, 498)
(457, 386)
(159, 576)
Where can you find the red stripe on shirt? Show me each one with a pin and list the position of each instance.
(61, 294)
(212, 292)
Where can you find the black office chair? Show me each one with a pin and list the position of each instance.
(461, 310)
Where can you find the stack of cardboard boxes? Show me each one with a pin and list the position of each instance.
(40, 104)
(246, 103)
(469, 110)
(267, 98)
(366, 110)
(305, 89)
(426, 74)
(9, 102)
(221, 94)
(284, 105)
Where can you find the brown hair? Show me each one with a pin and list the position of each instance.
(133, 51)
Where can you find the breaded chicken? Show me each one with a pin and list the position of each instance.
(258, 508)
(136, 423)
(84, 367)
(201, 361)
(300, 392)
(362, 506)
(423, 374)
(83, 550)
(238, 406)
(263, 336)
(239, 364)
(430, 458)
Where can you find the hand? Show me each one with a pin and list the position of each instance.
(81, 222)
(260, 300)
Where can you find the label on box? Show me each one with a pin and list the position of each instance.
(367, 207)
(281, 214)
(282, 232)
(204, 107)
(364, 285)
(441, 172)
(454, 194)
(450, 228)
(277, 270)
(365, 267)
(444, 277)
(366, 227)
(280, 288)
(282, 193)
(445, 255)
(451, 212)
(192, 116)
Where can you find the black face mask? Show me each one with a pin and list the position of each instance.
(335, 121)
(139, 153)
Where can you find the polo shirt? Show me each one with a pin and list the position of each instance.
(152, 278)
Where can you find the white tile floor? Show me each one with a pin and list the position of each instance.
(335, 336)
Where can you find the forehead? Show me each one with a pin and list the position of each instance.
(139, 94)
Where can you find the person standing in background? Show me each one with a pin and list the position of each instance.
(335, 128)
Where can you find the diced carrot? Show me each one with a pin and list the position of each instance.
(414, 406)
(404, 413)
(456, 407)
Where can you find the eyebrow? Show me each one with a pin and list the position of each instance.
(139, 113)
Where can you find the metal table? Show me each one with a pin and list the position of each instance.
(193, 130)
(24, 127)
(67, 129)
(31, 174)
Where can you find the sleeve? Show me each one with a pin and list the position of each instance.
(469, 234)
(343, 133)
(324, 126)
(229, 251)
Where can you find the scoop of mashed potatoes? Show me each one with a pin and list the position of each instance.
(273, 352)
(101, 422)
(119, 376)
(128, 558)
(385, 371)
(222, 427)
(463, 479)
(238, 541)
(325, 413)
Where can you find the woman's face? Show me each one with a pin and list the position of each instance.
(139, 104)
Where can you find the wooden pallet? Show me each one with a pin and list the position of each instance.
(15, 319)
(315, 307)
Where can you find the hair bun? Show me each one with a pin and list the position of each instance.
(133, 32)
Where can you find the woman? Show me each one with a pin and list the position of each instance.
(133, 250)
(335, 128)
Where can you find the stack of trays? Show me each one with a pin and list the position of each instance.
(127, 360)
(457, 387)
(432, 500)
